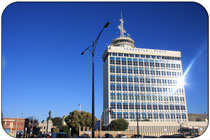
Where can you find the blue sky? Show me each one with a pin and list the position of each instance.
(42, 68)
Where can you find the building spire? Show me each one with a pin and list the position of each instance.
(121, 28)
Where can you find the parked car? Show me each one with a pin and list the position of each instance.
(43, 136)
(178, 136)
(150, 137)
(166, 136)
(60, 135)
(107, 135)
(121, 136)
(136, 136)
(85, 136)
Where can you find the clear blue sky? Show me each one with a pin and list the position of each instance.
(42, 68)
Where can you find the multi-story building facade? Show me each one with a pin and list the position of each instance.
(142, 83)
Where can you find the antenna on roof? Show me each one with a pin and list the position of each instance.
(121, 28)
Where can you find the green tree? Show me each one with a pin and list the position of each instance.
(119, 125)
(78, 119)
(57, 121)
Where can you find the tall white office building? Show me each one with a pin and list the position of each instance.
(143, 83)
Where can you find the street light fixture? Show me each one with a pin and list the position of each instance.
(93, 53)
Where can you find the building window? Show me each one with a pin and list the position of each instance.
(151, 64)
(143, 106)
(154, 98)
(136, 79)
(143, 97)
(146, 63)
(117, 60)
(149, 107)
(166, 107)
(167, 116)
(178, 116)
(171, 107)
(112, 86)
(112, 78)
(172, 116)
(153, 89)
(125, 105)
(148, 98)
(140, 63)
(182, 107)
(131, 106)
(112, 61)
(131, 97)
(112, 96)
(119, 97)
(149, 115)
(130, 71)
(130, 79)
(155, 116)
(143, 116)
(131, 115)
(165, 98)
(125, 87)
(138, 115)
(177, 107)
(184, 116)
(118, 70)
(129, 61)
(171, 98)
(154, 107)
(124, 78)
(147, 80)
(135, 62)
(113, 105)
(136, 87)
(160, 107)
(141, 71)
(135, 71)
(112, 69)
(130, 87)
(119, 115)
(152, 72)
(157, 65)
(125, 97)
(125, 115)
(113, 115)
(119, 106)
(137, 106)
(118, 78)
(161, 116)
(123, 61)
(118, 87)
(141, 80)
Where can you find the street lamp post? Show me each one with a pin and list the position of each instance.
(93, 54)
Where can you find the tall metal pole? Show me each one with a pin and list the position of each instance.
(137, 119)
(93, 101)
(93, 53)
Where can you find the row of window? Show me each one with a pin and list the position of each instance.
(149, 116)
(136, 79)
(142, 71)
(142, 97)
(144, 106)
(141, 62)
(142, 88)
(145, 56)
